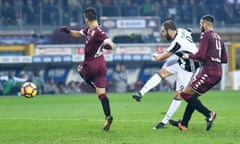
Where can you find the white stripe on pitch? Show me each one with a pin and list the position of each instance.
(66, 119)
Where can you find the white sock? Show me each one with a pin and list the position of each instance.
(171, 110)
(151, 83)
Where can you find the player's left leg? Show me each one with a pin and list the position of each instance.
(155, 80)
(190, 94)
(100, 82)
(150, 84)
(101, 92)
(85, 75)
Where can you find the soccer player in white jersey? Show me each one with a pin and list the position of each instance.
(181, 42)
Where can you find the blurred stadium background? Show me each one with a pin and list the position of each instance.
(32, 47)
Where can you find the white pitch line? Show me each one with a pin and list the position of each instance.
(66, 119)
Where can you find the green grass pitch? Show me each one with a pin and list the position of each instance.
(78, 119)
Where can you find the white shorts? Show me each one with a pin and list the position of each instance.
(170, 61)
(183, 76)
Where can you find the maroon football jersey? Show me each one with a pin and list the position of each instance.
(211, 53)
(93, 69)
(94, 42)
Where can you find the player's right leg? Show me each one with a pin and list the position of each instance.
(182, 81)
(151, 83)
(175, 104)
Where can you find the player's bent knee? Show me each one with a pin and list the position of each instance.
(178, 96)
(189, 90)
(100, 91)
(164, 73)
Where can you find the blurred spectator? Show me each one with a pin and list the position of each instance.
(51, 13)
(227, 13)
(174, 12)
(38, 8)
(37, 79)
(8, 14)
(163, 10)
(21, 75)
(29, 12)
(110, 8)
(236, 11)
(62, 88)
(74, 87)
(8, 84)
(87, 3)
(200, 10)
(119, 79)
(50, 87)
(74, 10)
(147, 9)
(138, 85)
(128, 9)
(85, 88)
(165, 85)
(19, 13)
(186, 11)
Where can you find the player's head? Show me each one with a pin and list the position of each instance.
(205, 22)
(90, 14)
(168, 29)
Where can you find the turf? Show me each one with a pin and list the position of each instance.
(78, 119)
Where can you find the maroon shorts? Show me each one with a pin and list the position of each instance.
(203, 82)
(94, 72)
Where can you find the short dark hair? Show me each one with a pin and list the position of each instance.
(90, 13)
(169, 24)
(208, 18)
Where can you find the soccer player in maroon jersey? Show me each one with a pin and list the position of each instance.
(212, 54)
(93, 69)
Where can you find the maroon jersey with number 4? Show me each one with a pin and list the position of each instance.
(212, 54)
(93, 69)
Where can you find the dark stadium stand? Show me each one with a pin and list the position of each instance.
(42, 16)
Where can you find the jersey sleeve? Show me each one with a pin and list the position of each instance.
(201, 54)
(224, 58)
(101, 35)
(83, 31)
(174, 46)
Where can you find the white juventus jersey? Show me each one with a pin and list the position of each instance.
(183, 43)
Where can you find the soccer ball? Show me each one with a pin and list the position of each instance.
(29, 90)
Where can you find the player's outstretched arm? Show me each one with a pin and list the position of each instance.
(67, 30)
(161, 56)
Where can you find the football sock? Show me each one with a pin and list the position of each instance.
(171, 110)
(105, 104)
(151, 83)
(187, 114)
(196, 103)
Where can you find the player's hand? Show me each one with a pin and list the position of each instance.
(185, 56)
(155, 56)
(64, 29)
